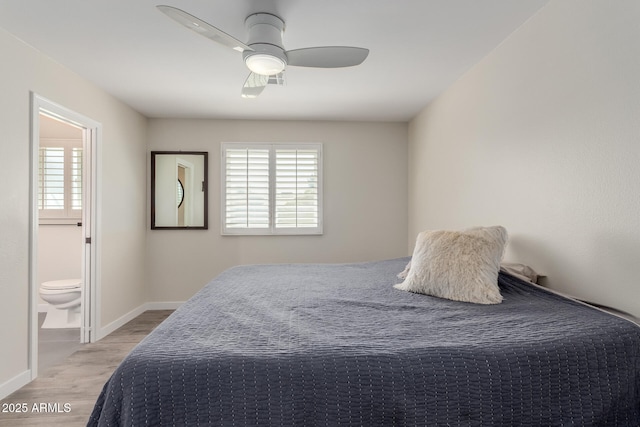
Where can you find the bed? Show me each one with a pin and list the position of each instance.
(336, 344)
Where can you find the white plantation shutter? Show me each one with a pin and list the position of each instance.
(51, 179)
(296, 190)
(271, 188)
(247, 188)
(60, 180)
(76, 181)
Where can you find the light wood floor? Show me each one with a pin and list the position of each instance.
(79, 380)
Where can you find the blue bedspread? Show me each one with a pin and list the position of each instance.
(326, 345)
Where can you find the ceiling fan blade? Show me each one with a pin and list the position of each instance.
(277, 79)
(327, 56)
(204, 29)
(254, 85)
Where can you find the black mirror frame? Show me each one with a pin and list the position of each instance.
(205, 225)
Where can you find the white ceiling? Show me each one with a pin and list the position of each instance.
(131, 50)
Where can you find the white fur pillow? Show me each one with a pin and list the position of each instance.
(457, 265)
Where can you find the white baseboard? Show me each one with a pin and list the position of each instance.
(107, 329)
(103, 331)
(15, 384)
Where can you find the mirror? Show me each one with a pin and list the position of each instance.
(179, 190)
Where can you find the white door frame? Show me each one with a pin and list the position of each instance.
(188, 187)
(92, 134)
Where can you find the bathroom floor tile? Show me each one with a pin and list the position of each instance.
(55, 345)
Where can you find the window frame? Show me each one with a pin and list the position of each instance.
(271, 230)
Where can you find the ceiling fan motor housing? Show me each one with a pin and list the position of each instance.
(265, 38)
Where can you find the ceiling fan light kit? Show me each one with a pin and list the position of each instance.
(264, 53)
(264, 64)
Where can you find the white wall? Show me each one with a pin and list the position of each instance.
(543, 137)
(122, 212)
(365, 201)
(59, 253)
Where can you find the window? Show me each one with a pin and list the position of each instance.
(271, 188)
(60, 181)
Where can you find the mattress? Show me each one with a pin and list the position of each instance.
(336, 344)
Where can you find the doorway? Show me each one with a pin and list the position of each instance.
(184, 196)
(71, 206)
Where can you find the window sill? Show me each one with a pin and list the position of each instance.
(60, 221)
(269, 232)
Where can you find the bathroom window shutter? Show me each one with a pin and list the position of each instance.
(51, 179)
(60, 181)
(76, 180)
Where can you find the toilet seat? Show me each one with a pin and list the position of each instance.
(61, 285)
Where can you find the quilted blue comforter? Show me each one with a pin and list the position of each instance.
(326, 345)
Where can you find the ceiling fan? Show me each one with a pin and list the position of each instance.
(264, 53)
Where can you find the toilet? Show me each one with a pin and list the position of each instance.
(64, 298)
